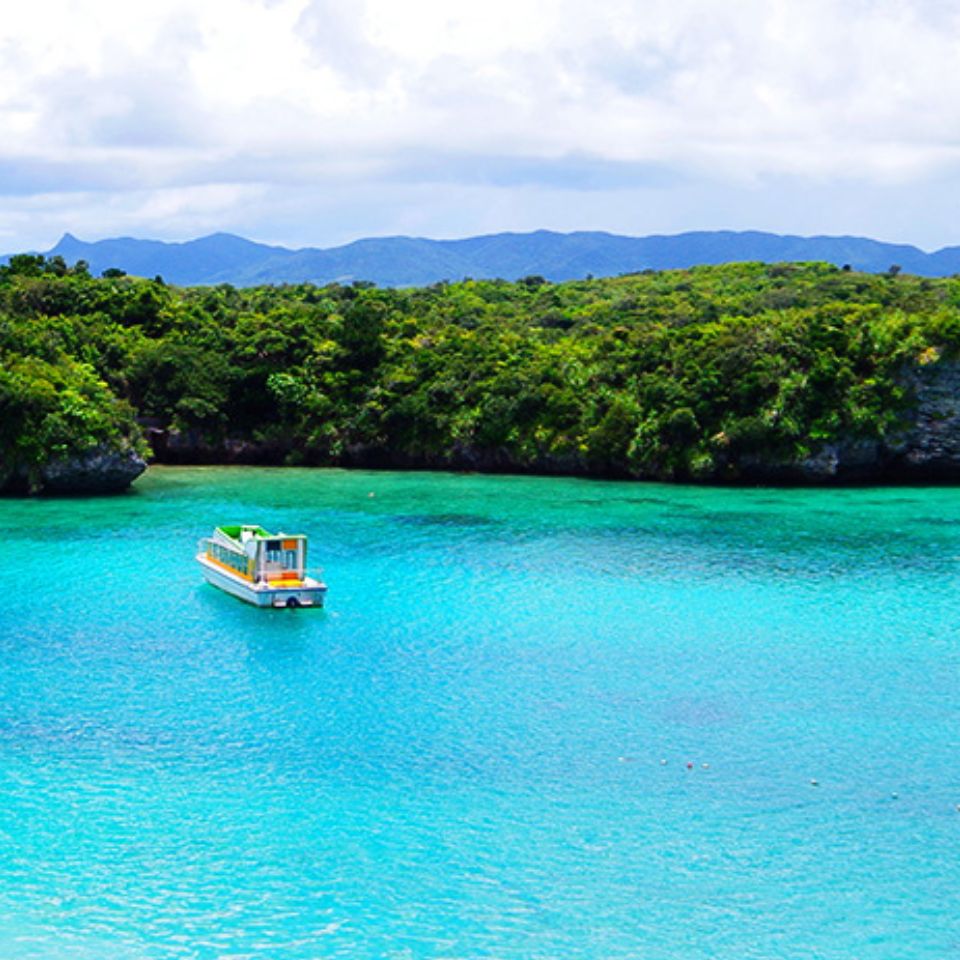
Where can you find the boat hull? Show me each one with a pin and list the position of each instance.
(310, 593)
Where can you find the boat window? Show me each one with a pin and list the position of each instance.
(274, 552)
(228, 558)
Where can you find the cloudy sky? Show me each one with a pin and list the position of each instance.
(314, 122)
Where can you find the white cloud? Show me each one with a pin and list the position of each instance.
(352, 99)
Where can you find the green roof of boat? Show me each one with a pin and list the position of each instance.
(235, 532)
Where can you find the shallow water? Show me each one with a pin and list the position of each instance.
(481, 747)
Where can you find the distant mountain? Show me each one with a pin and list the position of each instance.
(413, 261)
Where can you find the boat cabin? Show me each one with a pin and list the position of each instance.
(258, 556)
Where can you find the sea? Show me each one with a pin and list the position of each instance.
(538, 719)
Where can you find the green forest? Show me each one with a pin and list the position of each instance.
(709, 373)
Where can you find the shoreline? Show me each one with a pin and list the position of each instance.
(841, 483)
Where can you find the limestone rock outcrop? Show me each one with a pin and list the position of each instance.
(99, 470)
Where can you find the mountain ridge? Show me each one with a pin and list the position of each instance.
(398, 261)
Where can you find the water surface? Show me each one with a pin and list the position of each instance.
(482, 747)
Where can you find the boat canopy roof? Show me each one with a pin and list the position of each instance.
(243, 533)
(251, 529)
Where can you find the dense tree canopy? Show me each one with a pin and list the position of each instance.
(687, 373)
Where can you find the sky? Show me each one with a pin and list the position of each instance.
(316, 122)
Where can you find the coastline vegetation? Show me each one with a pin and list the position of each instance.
(682, 374)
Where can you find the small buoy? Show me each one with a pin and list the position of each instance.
(689, 766)
(706, 766)
(663, 763)
(814, 783)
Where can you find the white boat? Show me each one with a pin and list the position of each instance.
(265, 569)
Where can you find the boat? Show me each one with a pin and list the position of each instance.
(265, 569)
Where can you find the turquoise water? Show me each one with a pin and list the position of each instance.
(480, 748)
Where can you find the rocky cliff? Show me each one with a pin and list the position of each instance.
(925, 448)
(929, 447)
(100, 470)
